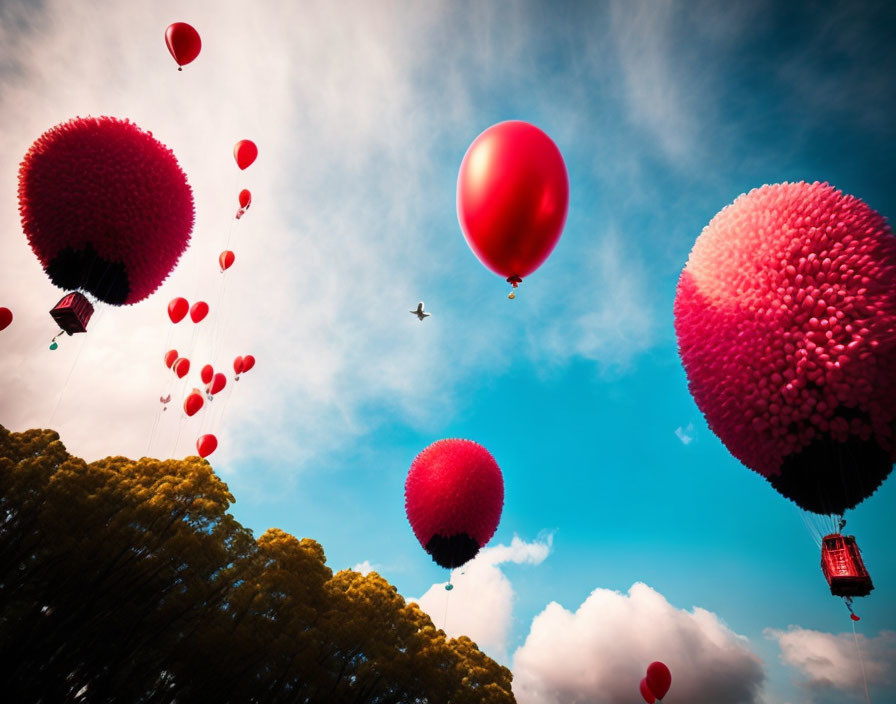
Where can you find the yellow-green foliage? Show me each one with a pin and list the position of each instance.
(128, 581)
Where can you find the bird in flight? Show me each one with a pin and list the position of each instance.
(419, 312)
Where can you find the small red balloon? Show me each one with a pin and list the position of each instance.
(245, 198)
(238, 365)
(183, 42)
(219, 381)
(181, 367)
(245, 153)
(659, 679)
(198, 311)
(248, 363)
(193, 403)
(5, 318)
(512, 197)
(854, 617)
(206, 374)
(226, 259)
(645, 692)
(178, 309)
(170, 358)
(206, 445)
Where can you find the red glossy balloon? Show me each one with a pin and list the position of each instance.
(218, 382)
(238, 365)
(245, 198)
(248, 363)
(183, 42)
(206, 445)
(181, 367)
(206, 374)
(245, 153)
(512, 198)
(178, 309)
(198, 311)
(193, 403)
(170, 358)
(645, 692)
(659, 679)
(5, 318)
(226, 259)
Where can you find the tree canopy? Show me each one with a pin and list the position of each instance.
(128, 581)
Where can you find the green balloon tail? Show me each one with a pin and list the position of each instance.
(53, 345)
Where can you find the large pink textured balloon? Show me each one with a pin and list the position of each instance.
(786, 323)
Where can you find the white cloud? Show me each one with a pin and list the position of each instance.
(598, 654)
(686, 434)
(481, 604)
(365, 567)
(831, 667)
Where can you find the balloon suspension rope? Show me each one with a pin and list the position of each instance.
(447, 597)
(861, 661)
(513, 281)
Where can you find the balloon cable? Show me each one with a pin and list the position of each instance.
(861, 661)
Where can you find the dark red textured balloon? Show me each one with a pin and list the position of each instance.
(245, 198)
(454, 494)
(105, 207)
(206, 445)
(786, 324)
(198, 311)
(512, 197)
(645, 691)
(170, 358)
(245, 153)
(5, 318)
(659, 679)
(183, 42)
(178, 309)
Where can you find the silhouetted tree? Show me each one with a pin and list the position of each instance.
(128, 581)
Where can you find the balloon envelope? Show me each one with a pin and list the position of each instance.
(183, 42)
(659, 679)
(206, 445)
(238, 365)
(170, 358)
(512, 197)
(5, 318)
(207, 373)
(181, 367)
(245, 198)
(645, 691)
(198, 311)
(106, 208)
(454, 494)
(226, 259)
(219, 381)
(193, 403)
(178, 309)
(245, 153)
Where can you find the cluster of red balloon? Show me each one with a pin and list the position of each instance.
(656, 684)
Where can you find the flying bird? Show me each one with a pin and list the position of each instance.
(419, 312)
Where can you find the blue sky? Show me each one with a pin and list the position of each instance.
(664, 113)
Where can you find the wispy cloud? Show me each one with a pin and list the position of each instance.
(834, 667)
(686, 434)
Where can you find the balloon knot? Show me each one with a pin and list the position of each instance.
(180, 68)
(514, 280)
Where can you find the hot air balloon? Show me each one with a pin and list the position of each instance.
(206, 445)
(178, 309)
(245, 153)
(512, 197)
(181, 367)
(645, 691)
(226, 259)
(106, 209)
(454, 494)
(785, 315)
(198, 311)
(245, 199)
(5, 318)
(658, 679)
(207, 373)
(170, 358)
(183, 42)
(193, 403)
